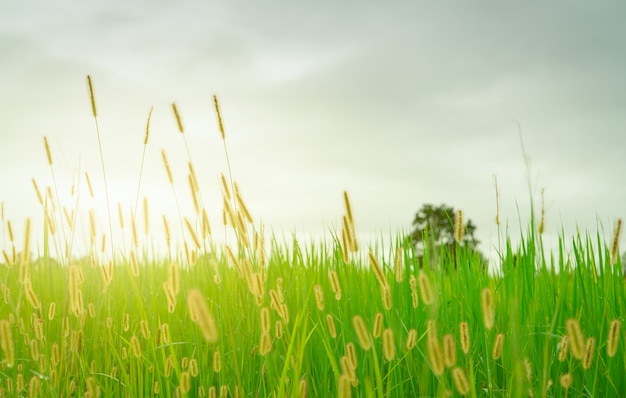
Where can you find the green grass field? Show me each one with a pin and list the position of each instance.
(263, 318)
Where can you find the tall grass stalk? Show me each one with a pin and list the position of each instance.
(104, 177)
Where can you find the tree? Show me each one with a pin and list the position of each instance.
(434, 229)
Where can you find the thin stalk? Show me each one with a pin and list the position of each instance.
(106, 185)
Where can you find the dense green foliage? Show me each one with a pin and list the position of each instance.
(92, 349)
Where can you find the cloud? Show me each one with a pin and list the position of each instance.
(400, 105)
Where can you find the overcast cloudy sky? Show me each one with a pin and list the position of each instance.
(400, 103)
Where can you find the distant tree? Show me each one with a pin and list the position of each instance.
(433, 229)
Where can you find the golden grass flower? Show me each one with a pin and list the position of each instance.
(389, 346)
(204, 319)
(365, 340)
(496, 352)
(487, 306)
(425, 288)
(576, 338)
(588, 354)
(613, 339)
(460, 381)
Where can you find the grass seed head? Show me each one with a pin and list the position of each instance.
(39, 198)
(174, 277)
(350, 235)
(126, 322)
(334, 284)
(145, 329)
(434, 349)
(389, 346)
(458, 226)
(302, 388)
(563, 348)
(386, 297)
(411, 339)
(265, 346)
(92, 97)
(377, 329)
(134, 264)
(399, 265)
(219, 117)
(496, 352)
(32, 298)
(135, 346)
(319, 297)
(146, 217)
(588, 355)
(365, 340)
(345, 386)
(34, 349)
(10, 231)
(347, 368)
(217, 361)
(185, 382)
(615, 242)
(26, 245)
(47, 147)
(460, 381)
(351, 352)
(576, 338)
(464, 337)
(193, 234)
(613, 339)
(170, 295)
(164, 334)
(76, 342)
(378, 271)
(275, 301)
(179, 122)
(529, 369)
(51, 310)
(330, 323)
(566, 380)
(89, 184)
(120, 215)
(194, 370)
(278, 329)
(206, 227)
(204, 319)
(425, 288)
(166, 231)
(487, 306)
(414, 295)
(346, 201)
(265, 320)
(225, 188)
(34, 386)
(166, 164)
(242, 206)
(6, 342)
(449, 350)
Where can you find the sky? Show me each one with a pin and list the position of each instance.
(399, 104)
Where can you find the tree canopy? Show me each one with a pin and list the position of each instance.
(434, 227)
